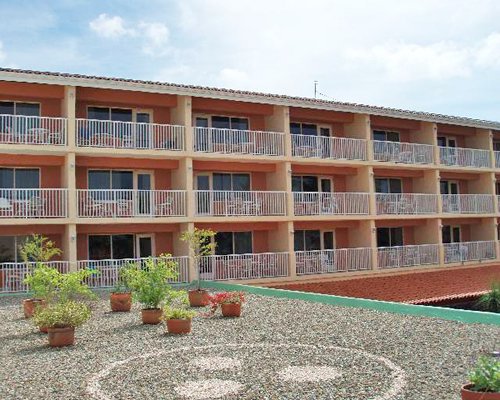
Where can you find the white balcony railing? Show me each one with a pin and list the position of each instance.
(100, 203)
(407, 256)
(331, 261)
(469, 251)
(406, 203)
(406, 153)
(322, 203)
(243, 266)
(129, 135)
(33, 203)
(234, 141)
(20, 129)
(461, 157)
(497, 159)
(109, 270)
(12, 274)
(334, 148)
(468, 203)
(232, 203)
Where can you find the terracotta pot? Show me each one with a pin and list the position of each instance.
(60, 337)
(178, 326)
(29, 306)
(151, 316)
(471, 395)
(120, 301)
(199, 298)
(43, 329)
(231, 309)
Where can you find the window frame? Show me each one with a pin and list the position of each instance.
(110, 235)
(321, 238)
(135, 111)
(390, 231)
(24, 168)
(389, 185)
(210, 125)
(213, 240)
(135, 174)
(210, 176)
(319, 126)
(386, 132)
(18, 240)
(23, 102)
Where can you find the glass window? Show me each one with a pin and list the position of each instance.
(241, 182)
(6, 178)
(328, 242)
(443, 187)
(309, 129)
(393, 136)
(220, 122)
(101, 113)
(99, 180)
(395, 185)
(379, 135)
(203, 182)
(7, 249)
(295, 128)
(122, 246)
(27, 178)
(29, 109)
(296, 183)
(312, 240)
(242, 242)
(298, 240)
(386, 136)
(224, 242)
(122, 180)
(201, 122)
(221, 181)
(384, 185)
(7, 107)
(309, 183)
(99, 247)
(120, 114)
(325, 132)
(144, 118)
(389, 237)
(239, 123)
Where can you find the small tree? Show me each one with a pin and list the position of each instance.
(491, 300)
(201, 244)
(38, 249)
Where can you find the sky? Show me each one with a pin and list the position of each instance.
(426, 55)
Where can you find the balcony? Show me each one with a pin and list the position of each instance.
(233, 141)
(12, 274)
(243, 266)
(124, 203)
(461, 157)
(469, 251)
(109, 270)
(129, 135)
(308, 146)
(19, 129)
(332, 261)
(406, 203)
(407, 256)
(33, 203)
(468, 203)
(404, 153)
(497, 159)
(322, 203)
(239, 203)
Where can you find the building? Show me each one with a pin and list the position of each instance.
(296, 188)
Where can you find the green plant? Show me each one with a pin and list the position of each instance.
(122, 284)
(150, 284)
(43, 281)
(62, 315)
(71, 286)
(491, 300)
(218, 299)
(177, 313)
(38, 248)
(486, 375)
(200, 244)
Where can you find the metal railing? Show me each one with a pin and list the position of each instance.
(229, 203)
(469, 251)
(331, 261)
(497, 159)
(33, 203)
(406, 203)
(406, 153)
(462, 157)
(12, 274)
(109, 270)
(334, 148)
(243, 266)
(407, 256)
(234, 141)
(101, 203)
(468, 203)
(322, 203)
(129, 135)
(20, 129)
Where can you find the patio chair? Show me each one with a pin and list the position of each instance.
(92, 208)
(5, 206)
(165, 208)
(36, 206)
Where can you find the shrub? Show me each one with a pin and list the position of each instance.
(125, 274)
(43, 281)
(200, 244)
(218, 299)
(62, 315)
(38, 248)
(491, 300)
(71, 286)
(486, 375)
(177, 313)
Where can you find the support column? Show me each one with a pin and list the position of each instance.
(69, 246)
(279, 121)
(182, 179)
(69, 111)
(282, 241)
(365, 236)
(360, 128)
(182, 115)
(181, 248)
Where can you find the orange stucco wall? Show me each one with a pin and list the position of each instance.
(162, 178)
(50, 175)
(49, 96)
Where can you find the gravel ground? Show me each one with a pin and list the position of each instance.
(278, 349)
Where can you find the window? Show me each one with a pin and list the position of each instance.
(496, 145)
(19, 178)
(300, 128)
(237, 182)
(389, 237)
(451, 234)
(304, 183)
(445, 141)
(110, 114)
(448, 187)
(222, 122)
(388, 185)
(233, 243)
(103, 247)
(307, 240)
(9, 248)
(108, 179)
(386, 136)
(15, 108)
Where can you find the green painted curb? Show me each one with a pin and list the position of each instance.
(464, 316)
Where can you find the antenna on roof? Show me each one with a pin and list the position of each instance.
(315, 88)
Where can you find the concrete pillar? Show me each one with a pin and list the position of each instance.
(182, 115)
(182, 179)
(486, 230)
(69, 182)
(484, 183)
(439, 222)
(282, 241)
(181, 248)
(69, 246)
(365, 235)
(279, 121)
(69, 111)
(281, 180)
(360, 128)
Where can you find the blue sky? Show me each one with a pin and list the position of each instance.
(429, 55)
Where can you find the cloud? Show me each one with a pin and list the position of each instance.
(488, 53)
(231, 77)
(109, 27)
(155, 37)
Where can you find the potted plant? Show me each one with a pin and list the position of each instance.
(490, 301)
(484, 380)
(178, 320)
(229, 303)
(37, 250)
(42, 282)
(121, 297)
(201, 244)
(61, 319)
(150, 286)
